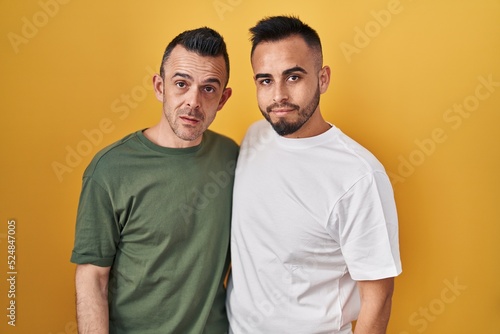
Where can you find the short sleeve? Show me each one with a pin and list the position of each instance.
(97, 233)
(366, 225)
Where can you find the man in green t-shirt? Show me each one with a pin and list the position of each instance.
(152, 231)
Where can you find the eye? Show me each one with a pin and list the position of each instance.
(293, 78)
(265, 82)
(180, 84)
(209, 89)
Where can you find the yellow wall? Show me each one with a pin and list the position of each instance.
(415, 81)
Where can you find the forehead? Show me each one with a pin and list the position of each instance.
(197, 66)
(279, 55)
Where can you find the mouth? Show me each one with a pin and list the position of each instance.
(281, 111)
(190, 120)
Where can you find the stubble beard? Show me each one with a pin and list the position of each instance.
(186, 132)
(282, 126)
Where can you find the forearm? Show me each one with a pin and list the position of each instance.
(373, 319)
(91, 302)
(376, 302)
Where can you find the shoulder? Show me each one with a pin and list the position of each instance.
(110, 155)
(259, 132)
(213, 138)
(359, 154)
(259, 127)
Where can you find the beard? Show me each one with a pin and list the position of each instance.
(184, 132)
(286, 127)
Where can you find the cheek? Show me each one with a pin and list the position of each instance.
(173, 100)
(210, 114)
(263, 96)
(210, 104)
(301, 94)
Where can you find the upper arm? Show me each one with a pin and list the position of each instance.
(376, 291)
(97, 232)
(88, 275)
(366, 225)
(376, 303)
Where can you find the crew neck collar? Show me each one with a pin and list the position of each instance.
(302, 143)
(169, 150)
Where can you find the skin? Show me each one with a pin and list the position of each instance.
(92, 299)
(376, 302)
(192, 93)
(289, 79)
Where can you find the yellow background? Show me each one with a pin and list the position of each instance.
(75, 76)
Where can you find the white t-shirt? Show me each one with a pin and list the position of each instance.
(310, 217)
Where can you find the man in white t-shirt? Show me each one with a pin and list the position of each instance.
(314, 230)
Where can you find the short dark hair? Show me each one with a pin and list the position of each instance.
(203, 41)
(276, 28)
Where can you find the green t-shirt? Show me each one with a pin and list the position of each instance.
(160, 217)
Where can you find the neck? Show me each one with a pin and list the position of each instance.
(162, 135)
(314, 126)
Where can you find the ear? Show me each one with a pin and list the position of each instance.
(324, 79)
(158, 87)
(225, 96)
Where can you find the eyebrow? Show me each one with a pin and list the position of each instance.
(285, 72)
(188, 77)
(294, 69)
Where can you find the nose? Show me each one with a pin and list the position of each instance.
(280, 93)
(193, 98)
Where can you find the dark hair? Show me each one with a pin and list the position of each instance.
(276, 28)
(204, 41)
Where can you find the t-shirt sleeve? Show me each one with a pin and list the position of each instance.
(366, 225)
(97, 232)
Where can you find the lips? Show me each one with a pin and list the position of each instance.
(282, 112)
(190, 120)
(190, 117)
(282, 109)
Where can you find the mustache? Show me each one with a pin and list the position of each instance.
(193, 113)
(283, 105)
